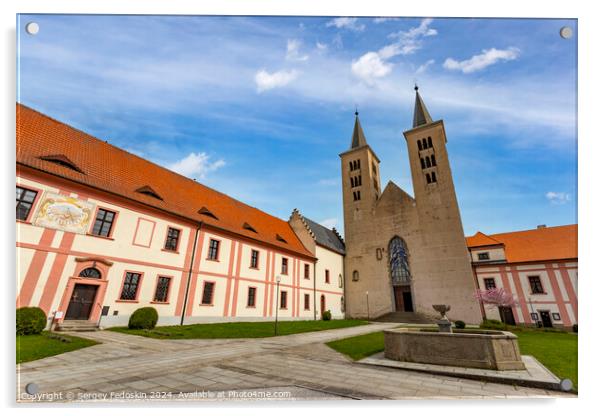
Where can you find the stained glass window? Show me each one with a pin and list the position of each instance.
(398, 261)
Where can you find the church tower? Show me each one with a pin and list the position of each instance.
(444, 265)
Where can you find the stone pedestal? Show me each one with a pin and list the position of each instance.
(444, 325)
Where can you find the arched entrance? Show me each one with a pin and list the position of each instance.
(399, 268)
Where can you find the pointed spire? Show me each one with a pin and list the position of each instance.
(421, 114)
(358, 139)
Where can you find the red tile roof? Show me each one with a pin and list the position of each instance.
(110, 168)
(546, 243)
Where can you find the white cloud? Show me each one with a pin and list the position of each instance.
(292, 51)
(321, 46)
(558, 198)
(266, 81)
(329, 222)
(425, 66)
(350, 23)
(370, 66)
(378, 20)
(486, 58)
(374, 64)
(329, 182)
(196, 165)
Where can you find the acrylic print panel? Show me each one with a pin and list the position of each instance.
(238, 182)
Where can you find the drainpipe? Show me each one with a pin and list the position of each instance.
(196, 236)
(315, 264)
(344, 288)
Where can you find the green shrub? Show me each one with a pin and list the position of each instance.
(492, 324)
(326, 315)
(575, 328)
(460, 324)
(30, 320)
(143, 318)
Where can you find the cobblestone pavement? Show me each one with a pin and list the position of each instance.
(293, 367)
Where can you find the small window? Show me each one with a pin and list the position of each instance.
(173, 236)
(162, 290)
(355, 276)
(148, 191)
(428, 162)
(306, 302)
(489, 283)
(424, 145)
(433, 177)
(204, 211)
(419, 145)
(130, 286)
(25, 198)
(248, 226)
(306, 271)
(352, 183)
(342, 304)
(62, 160)
(284, 269)
(251, 297)
(208, 293)
(213, 250)
(340, 280)
(422, 164)
(430, 141)
(327, 276)
(433, 161)
(280, 238)
(428, 178)
(283, 299)
(358, 164)
(484, 256)
(103, 223)
(90, 273)
(254, 259)
(350, 165)
(536, 286)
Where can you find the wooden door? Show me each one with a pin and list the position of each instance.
(545, 319)
(398, 293)
(81, 302)
(507, 315)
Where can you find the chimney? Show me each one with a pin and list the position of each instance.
(541, 226)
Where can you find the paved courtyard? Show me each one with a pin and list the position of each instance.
(293, 367)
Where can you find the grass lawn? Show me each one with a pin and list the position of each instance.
(34, 347)
(556, 350)
(239, 329)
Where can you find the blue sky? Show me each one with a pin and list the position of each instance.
(260, 107)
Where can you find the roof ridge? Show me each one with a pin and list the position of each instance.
(533, 229)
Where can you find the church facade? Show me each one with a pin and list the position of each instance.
(404, 253)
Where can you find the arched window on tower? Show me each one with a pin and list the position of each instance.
(428, 162)
(350, 165)
(424, 145)
(433, 161)
(358, 164)
(422, 163)
(428, 178)
(430, 142)
(355, 276)
(433, 177)
(419, 145)
(398, 262)
(352, 184)
(360, 180)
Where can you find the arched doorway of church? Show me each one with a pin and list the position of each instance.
(399, 268)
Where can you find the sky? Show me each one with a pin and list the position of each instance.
(260, 107)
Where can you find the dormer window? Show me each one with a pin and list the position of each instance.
(484, 256)
(206, 212)
(279, 238)
(62, 160)
(148, 191)
(246, 226)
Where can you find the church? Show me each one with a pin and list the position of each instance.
(404, 253)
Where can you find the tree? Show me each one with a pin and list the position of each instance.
(496, 297)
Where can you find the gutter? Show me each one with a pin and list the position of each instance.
(196, 236)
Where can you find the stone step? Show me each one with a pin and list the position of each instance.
(405, 317)
(77, 326)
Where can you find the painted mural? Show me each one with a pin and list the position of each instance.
(64, 213)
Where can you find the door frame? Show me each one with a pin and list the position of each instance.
(83, 263)
(402, 289)
(539, 311)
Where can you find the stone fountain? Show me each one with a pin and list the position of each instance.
(496, 350)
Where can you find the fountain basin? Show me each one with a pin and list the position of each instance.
(495, 350)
